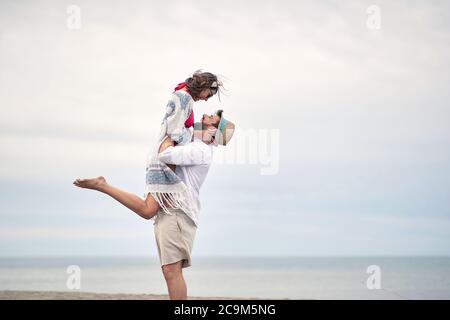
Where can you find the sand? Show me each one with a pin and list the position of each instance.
(59, 295)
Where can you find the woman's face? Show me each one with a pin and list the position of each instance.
(205, 94)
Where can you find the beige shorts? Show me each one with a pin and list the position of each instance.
(174, 237)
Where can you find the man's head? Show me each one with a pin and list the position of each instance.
(214, 129)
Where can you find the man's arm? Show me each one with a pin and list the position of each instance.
(187, 155)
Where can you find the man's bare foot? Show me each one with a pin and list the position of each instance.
(94, 183)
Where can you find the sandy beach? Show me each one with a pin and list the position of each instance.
(59, 295)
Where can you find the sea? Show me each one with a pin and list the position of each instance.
(326, 278)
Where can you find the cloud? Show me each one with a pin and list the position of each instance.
(362, 115)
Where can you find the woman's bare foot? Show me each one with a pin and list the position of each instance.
(94, 183)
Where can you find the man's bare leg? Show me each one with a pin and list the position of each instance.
(145, 208)
(175, 281)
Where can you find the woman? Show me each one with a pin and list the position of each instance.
(163, 187)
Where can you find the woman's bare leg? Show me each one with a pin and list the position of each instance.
(145, 208)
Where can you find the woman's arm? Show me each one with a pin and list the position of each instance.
(177, 111)
(165, 144)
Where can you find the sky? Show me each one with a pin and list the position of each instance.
(342, 110)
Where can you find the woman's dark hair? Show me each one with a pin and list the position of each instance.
(200, 81)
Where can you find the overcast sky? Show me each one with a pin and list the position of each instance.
(346, 126)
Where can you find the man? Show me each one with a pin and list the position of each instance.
(174, 228)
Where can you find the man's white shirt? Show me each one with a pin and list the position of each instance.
(193, 161)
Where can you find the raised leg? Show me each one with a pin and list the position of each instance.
(145, 208)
